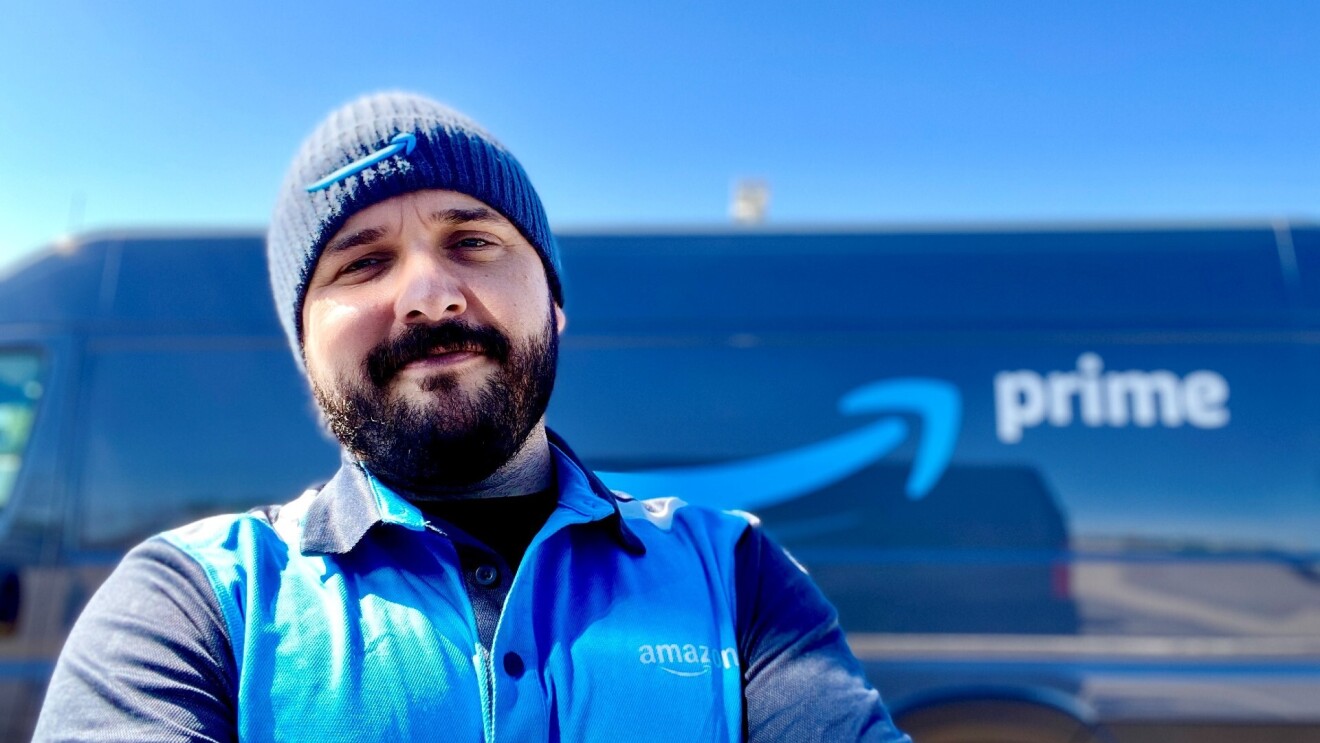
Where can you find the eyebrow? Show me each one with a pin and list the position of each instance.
(361, 237)
(461, 216)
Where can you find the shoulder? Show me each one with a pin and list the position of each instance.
(231, 552)
(674, 516)
(241, 536)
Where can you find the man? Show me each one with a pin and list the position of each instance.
(462, 576)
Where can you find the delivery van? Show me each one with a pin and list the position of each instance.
(1061, 482)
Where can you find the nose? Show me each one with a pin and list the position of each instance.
(429, 291)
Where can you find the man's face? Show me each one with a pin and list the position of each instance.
(430, 338)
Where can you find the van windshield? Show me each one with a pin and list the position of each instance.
(20, 389)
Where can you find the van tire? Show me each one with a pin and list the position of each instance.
(995, 721)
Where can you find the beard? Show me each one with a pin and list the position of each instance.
(452, 439)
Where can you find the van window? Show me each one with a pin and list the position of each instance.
(20, 389)
(177, 429)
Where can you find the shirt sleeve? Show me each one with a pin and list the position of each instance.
(149, 659)
(801, 680)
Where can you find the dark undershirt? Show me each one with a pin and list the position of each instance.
(506, 525)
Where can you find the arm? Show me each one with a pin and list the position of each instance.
(148, 660)
(801, 681)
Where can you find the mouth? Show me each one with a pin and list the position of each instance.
(445, 358)
(434, 349)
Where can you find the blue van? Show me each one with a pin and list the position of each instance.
(1061, 483)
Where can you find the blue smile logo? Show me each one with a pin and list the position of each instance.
(401, 144)
(775, 478)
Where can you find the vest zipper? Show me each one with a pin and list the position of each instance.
(485, 665)
(489, 713)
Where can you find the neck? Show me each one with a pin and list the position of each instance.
(529, 470)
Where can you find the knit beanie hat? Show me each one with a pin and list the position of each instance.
(381, 146)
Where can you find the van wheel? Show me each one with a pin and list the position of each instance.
(995, 721)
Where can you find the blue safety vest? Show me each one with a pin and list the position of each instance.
(349, 620)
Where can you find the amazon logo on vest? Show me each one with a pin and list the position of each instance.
(763, 481)
(687, 660)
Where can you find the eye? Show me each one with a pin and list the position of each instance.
(475, 246)
(360, 265)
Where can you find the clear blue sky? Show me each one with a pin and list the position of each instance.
(630, 114)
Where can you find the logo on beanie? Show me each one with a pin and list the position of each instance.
(401, 143)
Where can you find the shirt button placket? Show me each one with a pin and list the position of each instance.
(486, 575)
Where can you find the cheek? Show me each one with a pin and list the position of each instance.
(526, 300)
(337, 336)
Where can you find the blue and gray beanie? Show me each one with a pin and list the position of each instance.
(381, 146)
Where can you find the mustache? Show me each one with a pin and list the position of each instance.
(420, 341)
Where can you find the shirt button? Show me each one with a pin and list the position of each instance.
(486, 575)
(513, 665)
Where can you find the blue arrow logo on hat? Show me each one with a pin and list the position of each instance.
(402, 143)
(764, 481)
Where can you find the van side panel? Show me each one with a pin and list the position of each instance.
(1033, 464)
(1130, 514)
